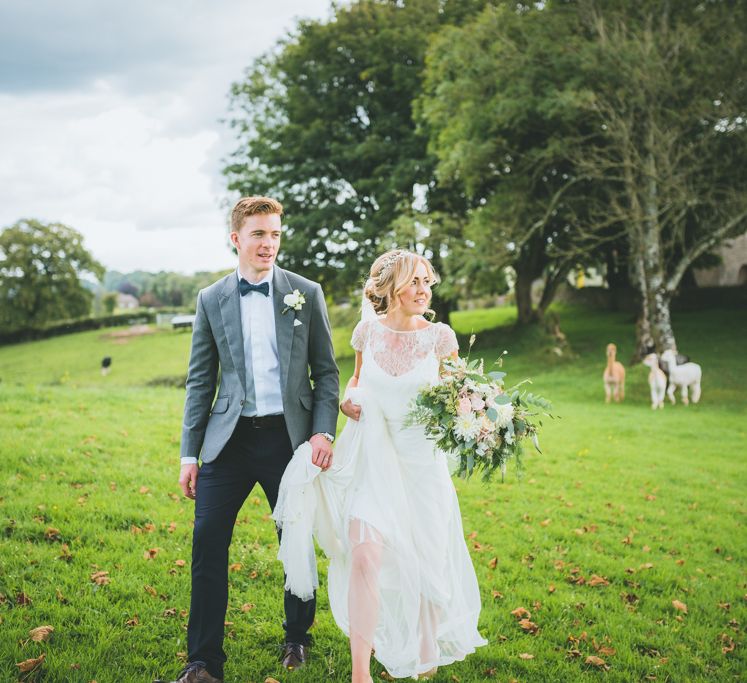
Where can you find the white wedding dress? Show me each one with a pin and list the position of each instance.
(387, 515)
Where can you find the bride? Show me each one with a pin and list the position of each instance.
(400, 580)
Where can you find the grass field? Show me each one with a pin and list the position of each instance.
(652, 504)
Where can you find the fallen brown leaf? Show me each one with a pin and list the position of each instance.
(521, 613)
(180, 563)
(598, 581)
(30, 664)
(247, 607)
(529, 626)
(52, 534)
(100, 578)
(235, 567)
(681, 606)
(526, 655)
(595, 661)
(497, 595)
(22, 599)
(493, 563)
(41, 633)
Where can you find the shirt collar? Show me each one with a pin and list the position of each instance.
(267, 278)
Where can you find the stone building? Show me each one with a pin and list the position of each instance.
(733, 268)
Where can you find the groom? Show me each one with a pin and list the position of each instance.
(264, 331)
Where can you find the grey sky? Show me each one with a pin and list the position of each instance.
(109, 119)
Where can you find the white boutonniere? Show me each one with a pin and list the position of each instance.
(295, 300)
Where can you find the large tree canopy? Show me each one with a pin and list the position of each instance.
(504, 105)
(575, 124)
(667, 155)
(41, 266)
(325, 124)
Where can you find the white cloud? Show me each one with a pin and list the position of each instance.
(125, 144)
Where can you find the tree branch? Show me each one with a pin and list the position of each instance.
(701, 247)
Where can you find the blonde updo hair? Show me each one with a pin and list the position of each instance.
(391, 273)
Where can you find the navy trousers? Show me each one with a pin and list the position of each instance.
(251, 456)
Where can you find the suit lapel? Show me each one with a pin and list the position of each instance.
(283, 322)
(230, 311)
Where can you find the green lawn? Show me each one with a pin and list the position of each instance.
(652, 503)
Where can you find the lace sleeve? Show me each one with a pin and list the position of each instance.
(446, 341)
(358, 340)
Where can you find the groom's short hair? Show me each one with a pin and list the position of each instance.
(250, 206)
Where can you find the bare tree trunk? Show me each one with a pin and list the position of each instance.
(442, 308)
(552, 282)
(523, 293)
(658, 298)
(528, 267)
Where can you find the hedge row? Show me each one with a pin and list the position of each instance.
(79, 325)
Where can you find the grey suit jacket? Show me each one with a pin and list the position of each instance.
(309, 374)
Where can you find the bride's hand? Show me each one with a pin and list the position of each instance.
(352, 410)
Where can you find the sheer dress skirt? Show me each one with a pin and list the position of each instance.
(404, 583)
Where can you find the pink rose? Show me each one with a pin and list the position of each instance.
(477, 402)
(464, 406)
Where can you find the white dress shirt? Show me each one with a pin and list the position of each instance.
(261, 351)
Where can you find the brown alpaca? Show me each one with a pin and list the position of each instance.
(614, 377)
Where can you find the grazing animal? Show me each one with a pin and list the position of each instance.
(657, 380)
(680, 359)
(686, 376)
(614, 376)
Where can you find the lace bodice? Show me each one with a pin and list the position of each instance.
(397, 353)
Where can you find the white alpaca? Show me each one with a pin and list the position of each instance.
(684, 376)
(657, 380)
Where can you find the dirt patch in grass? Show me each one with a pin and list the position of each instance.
(123, 336)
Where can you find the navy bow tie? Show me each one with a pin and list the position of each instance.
(246, 287)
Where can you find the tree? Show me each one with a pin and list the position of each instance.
(503, 105)
(671, 139)
(109, 301)
(324, 123)
(40, 270)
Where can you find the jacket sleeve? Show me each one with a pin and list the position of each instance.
(202, 377)
(325, 375)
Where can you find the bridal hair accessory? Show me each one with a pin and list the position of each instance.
(389, 262)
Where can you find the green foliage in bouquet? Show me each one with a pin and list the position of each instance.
(471, 414)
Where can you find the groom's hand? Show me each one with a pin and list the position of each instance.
(321, 451)
(188, 480)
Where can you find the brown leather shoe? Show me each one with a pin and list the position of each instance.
(294, 656)
(195, 672)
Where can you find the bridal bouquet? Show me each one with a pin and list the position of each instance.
(470, 413)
